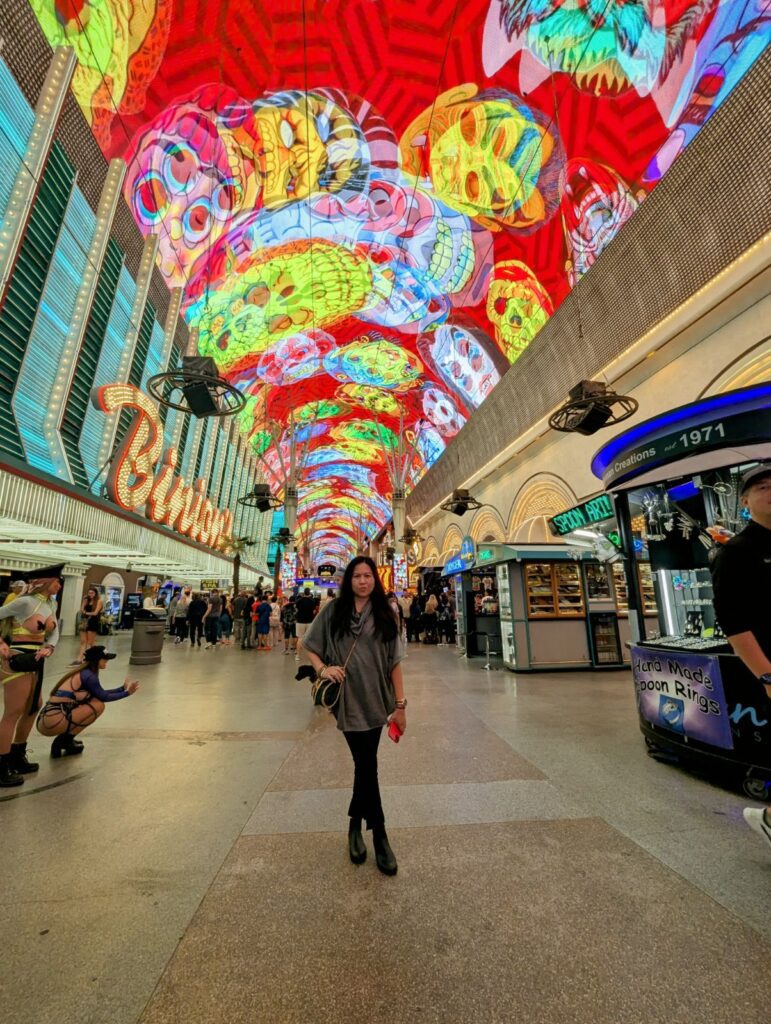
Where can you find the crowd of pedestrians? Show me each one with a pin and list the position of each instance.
(260, 620)
(429, 618)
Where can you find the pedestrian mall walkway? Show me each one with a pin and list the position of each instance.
(191, 866)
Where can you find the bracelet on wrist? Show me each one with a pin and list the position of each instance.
(401, 705)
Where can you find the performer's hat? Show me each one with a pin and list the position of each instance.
(47, 572)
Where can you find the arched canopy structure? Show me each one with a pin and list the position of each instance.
(373, 207)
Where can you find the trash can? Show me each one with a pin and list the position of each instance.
(147, 638)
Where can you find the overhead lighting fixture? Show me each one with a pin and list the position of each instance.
(197, 388)
(592, 406)
(260, 497)
(460, 503)
(410, 537)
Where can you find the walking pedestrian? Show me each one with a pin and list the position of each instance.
(211, 619)
(181, 616)
(195, 619)
(355, 641)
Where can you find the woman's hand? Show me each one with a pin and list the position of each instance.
(130, 685)
(334, 672)
(44, 652)
(400, 717)
(5, 650)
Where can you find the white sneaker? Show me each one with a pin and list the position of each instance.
(758, 822)
(208, 646)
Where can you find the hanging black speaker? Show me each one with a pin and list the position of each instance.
(592, 406)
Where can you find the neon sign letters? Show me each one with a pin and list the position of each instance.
(140, 478)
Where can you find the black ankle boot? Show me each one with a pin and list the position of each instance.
(20, 761)
(384, 855)
(66, 746)
(8, 775)
(356, 847)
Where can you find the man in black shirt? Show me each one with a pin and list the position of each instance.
(306, 609)
(742, 583)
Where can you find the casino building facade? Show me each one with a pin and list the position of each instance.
(93, 473)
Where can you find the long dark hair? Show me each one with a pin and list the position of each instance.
(343, 606)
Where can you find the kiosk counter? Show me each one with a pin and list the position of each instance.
(675, 485)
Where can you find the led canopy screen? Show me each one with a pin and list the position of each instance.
(373, 206)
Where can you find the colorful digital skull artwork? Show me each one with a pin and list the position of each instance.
(518, 305)
(595, 205)
(465, 359)
(310, 143)
(286, 291)
(295, 358)
(373, 361)
(119, 45)
(606, 46)
(186, 182)
(441, 411)
(733, 41)
(489, 155)
(366, 279)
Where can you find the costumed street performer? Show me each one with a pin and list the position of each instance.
(77, 700)
(31, 638)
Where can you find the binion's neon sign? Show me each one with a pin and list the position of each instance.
(140, 478)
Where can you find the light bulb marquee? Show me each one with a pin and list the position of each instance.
(141, 478)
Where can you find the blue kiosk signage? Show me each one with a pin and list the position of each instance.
(731, 420)
(464, 559)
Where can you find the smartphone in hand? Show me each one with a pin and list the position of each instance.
(394, 732)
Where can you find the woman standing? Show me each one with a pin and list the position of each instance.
(429, 620)
(181, 613)
(90, 610)
(226, 619)
(34, 635)
(76, 702)
(275, 622)
(355, 641)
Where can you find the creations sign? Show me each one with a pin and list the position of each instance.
(140, 479)
(682, 693)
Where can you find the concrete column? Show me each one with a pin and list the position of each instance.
(290, 509)
(47, 113)
(72, 596)
(399, 507)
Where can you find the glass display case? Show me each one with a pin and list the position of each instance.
(554, 590)
(597, 582)
(604, 638)
(647, 588)
(540, 590)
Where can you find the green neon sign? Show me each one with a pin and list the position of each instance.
(596, 510)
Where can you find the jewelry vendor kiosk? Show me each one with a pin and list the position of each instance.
(675, 479)
(529, 598)
(591, 530)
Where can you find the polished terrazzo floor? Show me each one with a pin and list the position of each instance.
(191, 865)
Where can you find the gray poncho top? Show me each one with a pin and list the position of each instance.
(367, 696)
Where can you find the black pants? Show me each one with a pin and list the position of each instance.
(196, 630)
(180, 628)
(365, 802)
(413, 630)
